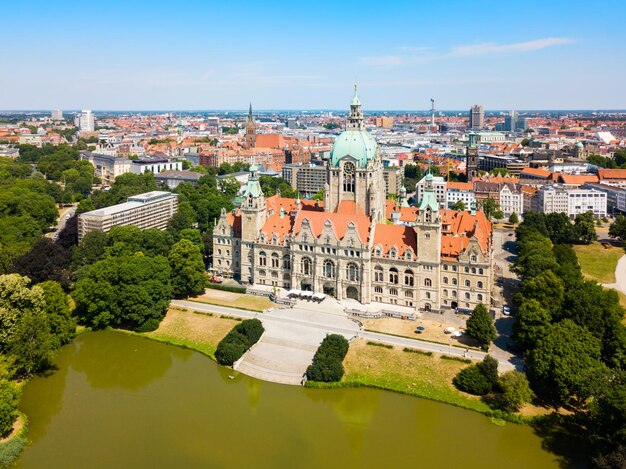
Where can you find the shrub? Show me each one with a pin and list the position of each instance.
(230, 288)
(472, 381)
(243, 336)
(327, 363)
(379, 344)
(420, 352)
(456, 359)
(149, 326)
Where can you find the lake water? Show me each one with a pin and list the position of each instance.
(123, 401)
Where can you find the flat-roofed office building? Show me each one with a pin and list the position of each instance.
(149, 210)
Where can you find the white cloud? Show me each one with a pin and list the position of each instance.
(470, 50)
(493, 48)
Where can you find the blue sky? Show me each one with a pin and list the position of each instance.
(300, 55)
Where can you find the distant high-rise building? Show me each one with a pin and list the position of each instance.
(476, 117)
(510, 122)
(471, 158)
(56, 115)
(86, 122)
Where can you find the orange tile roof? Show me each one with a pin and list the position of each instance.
(462, 186)
(577, 179)
(536, 172)
(339, 223)
(611, 174)
(399, 236)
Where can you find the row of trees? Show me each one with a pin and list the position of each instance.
(243, 336)
(571, 332)
(327, 363)
(618, 160)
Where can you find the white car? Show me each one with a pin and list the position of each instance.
(506, 310)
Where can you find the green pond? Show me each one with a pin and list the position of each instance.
(123, 401)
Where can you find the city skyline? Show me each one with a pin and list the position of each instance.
(149, 56)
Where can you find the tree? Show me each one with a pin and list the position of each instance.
(130, 292)
(489, 368)
(32, 344)
(230, 186)
(513, 218)
(617, 229)
(489, 206)
(459, 205)
(90, 249)
(515, 390)
(584, 228)
(498, 215)
(547, 288)
(194, 236)
(531, 323)
(16, 300)
(57, 310)
(319, 195)
(480, 327)
(9, 400)
(188, 277)
(607, 415)
(565, 363)
(45, 261)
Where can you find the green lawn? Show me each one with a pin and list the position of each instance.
(598, 263)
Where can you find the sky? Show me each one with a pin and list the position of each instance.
(202, 55)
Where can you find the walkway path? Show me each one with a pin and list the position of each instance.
(620, 276)
(292, 336)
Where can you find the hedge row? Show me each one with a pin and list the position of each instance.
(327, 363)
(456, 359)
(230, 288)
(243, 336)
(379, 344)
(420, 352)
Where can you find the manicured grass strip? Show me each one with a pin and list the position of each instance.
(597, 262)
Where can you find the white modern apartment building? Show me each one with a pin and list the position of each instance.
(456, 191)
(439, 185)
(551, 199)
(155, 165)
(86, 121)
(149, 210)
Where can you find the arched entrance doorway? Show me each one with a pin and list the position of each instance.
(427, 307)
(329, 289)
(352, 292)
(306, 285)
(454, 305)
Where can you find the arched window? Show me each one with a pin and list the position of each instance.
(329, 269)
(454, 282)
(445, 292)
(306, 266)
(378, 289)
(348, 177)
(467, 296)
(473, 270)
(480, 271)
(453, 293)
(393, 275)
(408, 278)
(445, 280)
(286, 277)
(468, 283)
(352, 272)
(428, 295)
(479, 297)
(378, 252)
(378, 274)
(479, 284)
(467, 270)
(275, 260)
(286, 262)
(261, 273)
(393, 253)
(262, 259)
(473, 258)
(408, 294)
(408, 255)
(393, 291)
(428, 282)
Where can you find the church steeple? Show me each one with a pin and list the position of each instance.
(355, 118)
(250, 139)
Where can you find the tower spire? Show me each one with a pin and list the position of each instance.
(355, 118)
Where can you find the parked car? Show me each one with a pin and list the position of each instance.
(506, 310)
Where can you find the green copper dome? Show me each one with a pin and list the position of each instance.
(358, 144)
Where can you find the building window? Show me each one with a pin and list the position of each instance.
(329, 269)
(378, 274)
(378, 289)
(275, 261)
(408, 278)
(468, 283)
(480, 297)
(261, 273)
(454, 282)
(445, 280)
(467, 296)
(480, 284)
(286, 262)
(473, 258)
(428, 295)
(262, 259)
(428, 282)
(306, 266)
(445, 292)
(480, 271)
(393, 253)
(408, 294)
(393, 275)
(408, 256)
(352, 272)
(393, 291)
